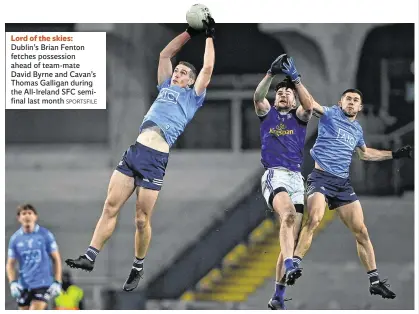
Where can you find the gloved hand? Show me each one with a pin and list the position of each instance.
(276, 65)
(209, 27)
(404, 152)
(55, 289)
(288, 68)
(16, 289)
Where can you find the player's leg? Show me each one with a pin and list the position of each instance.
(280, 284)
(39, 298)
(121, 187)
(24, 301)
(38, 305)
(353, 217)
(283, 206)
(152, 166)
(146, 200)
(316, 203)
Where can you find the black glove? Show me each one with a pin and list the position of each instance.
(209, 27)
(404, 152)
(193, 32)
(276, 66)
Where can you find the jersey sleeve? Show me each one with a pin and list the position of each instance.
(361, 141)
(51, 244)
(199, 98)
(166, 83)
(11, 252)
(328, 111)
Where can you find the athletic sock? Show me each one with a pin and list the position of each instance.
(279, 290)
(138, 263)
(288, 264)
(373, 276)
(91, 253)
(297, 261)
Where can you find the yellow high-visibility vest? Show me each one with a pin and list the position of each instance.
(70, 299)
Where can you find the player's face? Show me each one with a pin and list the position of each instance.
(284, 99)
(27, 218)
(181, 76)
(351, 104)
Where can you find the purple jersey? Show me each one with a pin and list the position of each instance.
(282, 137)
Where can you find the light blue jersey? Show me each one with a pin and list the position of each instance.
(336, 141)
(173, 108)
(32, 251)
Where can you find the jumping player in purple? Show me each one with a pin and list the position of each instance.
(282, 131)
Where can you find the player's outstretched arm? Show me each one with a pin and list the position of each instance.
(371, 154)
(305, 111)
(165, 61)
(204, 77)
(262, 105)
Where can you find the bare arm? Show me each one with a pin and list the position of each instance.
(262, 105)
(305, 111)
(11, 269)
(165, 64)
(205, 74)
(56, 259)
(371, 154)
(317, 109)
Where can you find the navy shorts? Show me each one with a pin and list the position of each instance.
(146, 165)
(38, 294)
(338, 191)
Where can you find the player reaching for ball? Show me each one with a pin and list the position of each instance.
(339, 134)
(282, 131)
(142, 168)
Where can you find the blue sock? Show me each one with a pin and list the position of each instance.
(288, 263)
(279, 291)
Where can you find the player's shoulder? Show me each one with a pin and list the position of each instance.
(334, 108)
(44, 231)
(16, 235)
(358, 125)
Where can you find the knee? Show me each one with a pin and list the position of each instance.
(111, 208)
(313, 222)
(141, 220)
(289, 219)
(361, 233)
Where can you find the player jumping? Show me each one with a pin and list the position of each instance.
(142, 168)
(339, 134)
(33, 247)
(282, 132)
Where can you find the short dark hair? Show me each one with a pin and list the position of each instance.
(287, 83)
(27, 206)
(353, 90)
(190, 66)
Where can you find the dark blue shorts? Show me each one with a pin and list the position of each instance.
(338, 191)
(37, 294)
(146, 165)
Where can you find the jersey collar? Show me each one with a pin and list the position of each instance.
(36, 229)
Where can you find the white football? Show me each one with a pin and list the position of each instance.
(196, 14)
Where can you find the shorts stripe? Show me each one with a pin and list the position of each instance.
(268, 180)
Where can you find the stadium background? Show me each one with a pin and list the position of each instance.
(214, 243)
